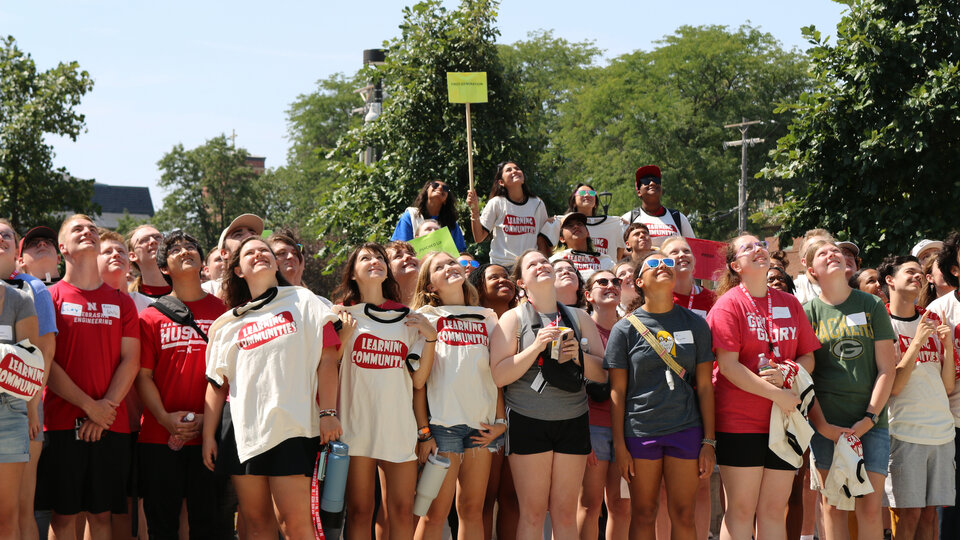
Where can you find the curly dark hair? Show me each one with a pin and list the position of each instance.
(889, 267)
(168, 242)
(476, 279)
(947, 259)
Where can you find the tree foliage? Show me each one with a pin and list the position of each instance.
(421, 135)
(34, 104)
(668, 107)
(208, 187)
(874, 148)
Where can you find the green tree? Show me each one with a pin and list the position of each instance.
(209, 186)
(668, 107)
(420, 135)
(34, 104)
(316, 121)
(873, 151)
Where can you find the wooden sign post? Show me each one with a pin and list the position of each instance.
(467, 88)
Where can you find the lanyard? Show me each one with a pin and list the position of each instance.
(693, 292)
(767, 320)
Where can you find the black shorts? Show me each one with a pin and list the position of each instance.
(76, 476)
(748, 450)
(291, 457)
(169, 476)
(531, 436)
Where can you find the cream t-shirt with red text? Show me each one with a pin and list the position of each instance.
(460, 389)
(948, 307)
(268, 350)
(920, 413)
(606, 232)
(585, 262)
(514, 227)
(376, 387)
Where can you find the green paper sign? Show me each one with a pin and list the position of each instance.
(467, 87)
(438, 240)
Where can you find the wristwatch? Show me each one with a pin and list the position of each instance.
(873, 418)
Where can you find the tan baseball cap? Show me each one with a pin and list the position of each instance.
(252, 221)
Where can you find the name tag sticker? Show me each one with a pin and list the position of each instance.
(856, 319)
(781, 312)
(6, 332)
(683, 337)
(110, 310)
(68, 308)
(700, 312)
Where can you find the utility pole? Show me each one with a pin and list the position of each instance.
(743, 126)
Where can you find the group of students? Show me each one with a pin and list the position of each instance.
(554, 380)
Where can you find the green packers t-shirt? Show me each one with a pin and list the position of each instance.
(846, 368)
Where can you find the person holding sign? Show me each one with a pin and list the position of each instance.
(513, 214)
(435, 201)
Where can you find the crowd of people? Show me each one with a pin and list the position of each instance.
(582, 379)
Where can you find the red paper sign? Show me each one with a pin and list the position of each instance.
(710, 258)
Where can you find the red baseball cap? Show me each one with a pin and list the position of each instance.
(38, 232)
(647, 170)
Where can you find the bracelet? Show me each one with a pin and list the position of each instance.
(501, 421)
(328, 412)
(431, 341)
(709, 442)
(425, 439)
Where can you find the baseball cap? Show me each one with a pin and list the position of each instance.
(849, 245)
(924, 245)
(38, 232)
(252, 221)
(573, 216)
(647, 170)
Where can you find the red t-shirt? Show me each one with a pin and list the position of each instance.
(702, 301)
(600, 411)
(90, 325)
(177, 356)
(737, 327)
(155, 292)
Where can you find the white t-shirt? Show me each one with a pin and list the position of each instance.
(804, 289)
(141, 300)
(269, 354)
(605, 231)
(376, 389)
(948, 306)
(661, 227)
(586, 263)
(514, 227)
(460, 389)
(920, 413)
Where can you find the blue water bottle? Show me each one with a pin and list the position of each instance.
(335, 478)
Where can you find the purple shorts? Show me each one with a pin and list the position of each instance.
(681, 445)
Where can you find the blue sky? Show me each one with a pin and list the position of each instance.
(184, 72)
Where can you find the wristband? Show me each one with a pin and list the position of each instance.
(430, 341)
(709, 442)
(501, 421)
(423, 433)
(328, 412)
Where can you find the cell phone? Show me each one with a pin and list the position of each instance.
(77, 424)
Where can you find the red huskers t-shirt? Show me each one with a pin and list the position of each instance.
(91, 326)
(742, 326)
(177, 356)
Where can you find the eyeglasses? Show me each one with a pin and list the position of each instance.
(145, 239)
(604, 282)
(751, 247)
(653, 264)
(471, 262)
(587, 193)
(647, 179)
(444, 187)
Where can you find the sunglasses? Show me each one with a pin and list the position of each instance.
(472, 263)
(604, 282)
(647, 179)
(653, 264)
(751, 247)
(444, 187)
(587, 193)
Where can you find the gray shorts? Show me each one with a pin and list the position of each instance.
(920, 475)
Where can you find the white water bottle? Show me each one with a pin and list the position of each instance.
(176, 443)
(430, 481)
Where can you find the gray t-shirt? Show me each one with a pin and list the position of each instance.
(652, 408)
(549, 404)
(17, 305)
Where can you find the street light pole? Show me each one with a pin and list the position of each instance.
(743, 126)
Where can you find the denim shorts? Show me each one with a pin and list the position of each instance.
(876, 450)
(601, 440)
(456, 439)
(14, 430)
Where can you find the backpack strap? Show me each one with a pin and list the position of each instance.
(655, 343)
(178, 312)
(675, 214)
